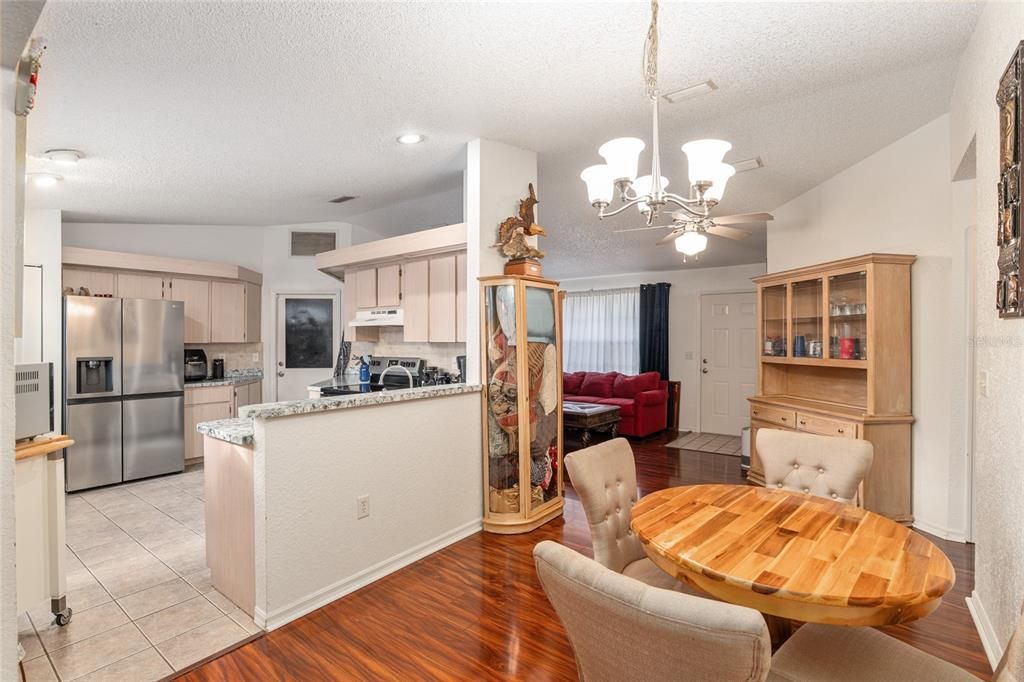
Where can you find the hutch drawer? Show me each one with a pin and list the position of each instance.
(774, 415)
(825, 426)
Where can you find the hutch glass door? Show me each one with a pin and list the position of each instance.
(848, 316)
(807, 319)
(773, 315)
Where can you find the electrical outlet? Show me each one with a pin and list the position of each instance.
(983, 384)
(362, 506)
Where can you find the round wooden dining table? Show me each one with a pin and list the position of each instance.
(793, 555)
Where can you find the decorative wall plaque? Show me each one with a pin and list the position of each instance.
(1010, 100)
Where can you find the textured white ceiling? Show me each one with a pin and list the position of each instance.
(258, 113)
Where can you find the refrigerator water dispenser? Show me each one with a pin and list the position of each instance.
(95, 375)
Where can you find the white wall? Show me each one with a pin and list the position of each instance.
(238, 244)
(999, 431)
(898, 200)
(42, 248)
(423, 480)
(412, 215)
(683, 318)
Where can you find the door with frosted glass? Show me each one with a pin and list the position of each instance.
(308, 334)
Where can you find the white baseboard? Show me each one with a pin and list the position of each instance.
(322, 597)
(993, 650)
(944, 533)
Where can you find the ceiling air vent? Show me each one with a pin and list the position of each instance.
(312, 243)
(342, 199)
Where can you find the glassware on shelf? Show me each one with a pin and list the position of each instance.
(848, 316)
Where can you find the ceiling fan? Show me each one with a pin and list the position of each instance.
(689, 233)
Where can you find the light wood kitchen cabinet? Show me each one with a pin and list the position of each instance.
(253, 312)
(441, 322)
(366, 288)
(389, 286)
(195, 293)
(460, 297)
(135, 285)
(204, 404)
(98, 282)
(416, 301)
(227, 312)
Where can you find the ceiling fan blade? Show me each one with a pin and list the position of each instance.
(744, 218)
(643, 229)
(671, 236)
(728, 232)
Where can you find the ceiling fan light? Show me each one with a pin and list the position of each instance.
(704, 156)
(643, 187)
(691, 243)
(600, 184)
(719, 180)
(622, 156)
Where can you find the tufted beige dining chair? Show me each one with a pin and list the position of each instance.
(622, 629)
(604, 477)
(825, 466)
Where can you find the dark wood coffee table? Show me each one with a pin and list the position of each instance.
(589, 417)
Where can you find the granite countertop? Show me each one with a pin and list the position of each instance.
(236, 379)
(238, 431)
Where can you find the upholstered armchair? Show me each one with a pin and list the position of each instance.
(825, 466)
(604, 477)
(622, 629)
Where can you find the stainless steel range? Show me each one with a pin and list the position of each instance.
(386, 373)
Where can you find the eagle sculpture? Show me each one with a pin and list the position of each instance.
(514, 230)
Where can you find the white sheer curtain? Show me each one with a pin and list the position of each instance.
(601, 331)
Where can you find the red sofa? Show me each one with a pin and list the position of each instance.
(642, 399)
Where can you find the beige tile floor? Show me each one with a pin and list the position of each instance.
(709, 442)
(139, 587)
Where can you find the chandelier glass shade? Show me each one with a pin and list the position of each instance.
(708, 174)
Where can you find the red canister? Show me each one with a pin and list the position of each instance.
(846, 346)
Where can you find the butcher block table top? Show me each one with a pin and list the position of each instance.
(793, 555)
(40, 446)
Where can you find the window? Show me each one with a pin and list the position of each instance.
(602, 331)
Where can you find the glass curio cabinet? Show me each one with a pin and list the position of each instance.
(521, 368)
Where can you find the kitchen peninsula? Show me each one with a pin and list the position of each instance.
(309, 500)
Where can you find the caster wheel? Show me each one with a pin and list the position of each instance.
(63, 618)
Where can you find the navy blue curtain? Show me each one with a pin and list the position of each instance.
(654, 328)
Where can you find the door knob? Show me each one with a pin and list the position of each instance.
(280, 363)
(704, 370)
(280, 374)
(705, 361)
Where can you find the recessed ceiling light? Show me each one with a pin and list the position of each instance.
(65, 157)
(749, 164)
(44, 179)
(692, 91)
(410, 138)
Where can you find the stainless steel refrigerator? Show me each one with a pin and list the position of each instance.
(124, 384)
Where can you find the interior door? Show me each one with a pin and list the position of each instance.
(728, 363)
(308, 332)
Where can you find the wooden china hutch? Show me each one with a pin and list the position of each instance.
(835, 359)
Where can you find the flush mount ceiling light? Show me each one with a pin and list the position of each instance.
(410, 138)
(65, 157)
(44, 179)
(692, 91)
(707, 174)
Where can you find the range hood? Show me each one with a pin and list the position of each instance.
(379, 317)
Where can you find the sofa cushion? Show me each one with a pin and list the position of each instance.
(582, 398)
(651, 397)
(627, 406)
(599, 384)
(571, 381)
(626, 386)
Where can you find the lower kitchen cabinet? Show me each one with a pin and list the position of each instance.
(205, 404)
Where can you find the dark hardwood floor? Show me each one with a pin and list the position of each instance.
(476, 611)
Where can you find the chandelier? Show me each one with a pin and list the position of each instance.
(708, 175)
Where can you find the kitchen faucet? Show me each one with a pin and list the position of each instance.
(380, 381)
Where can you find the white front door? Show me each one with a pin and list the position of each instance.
(308, 331)
(728, 362)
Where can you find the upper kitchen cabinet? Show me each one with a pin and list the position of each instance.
(416, 301)
(441, 296)
(389, 286)
(222, 301)
(195, 293)
(460, 297)
(366, 288)
(97, 282)
(136, 285)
